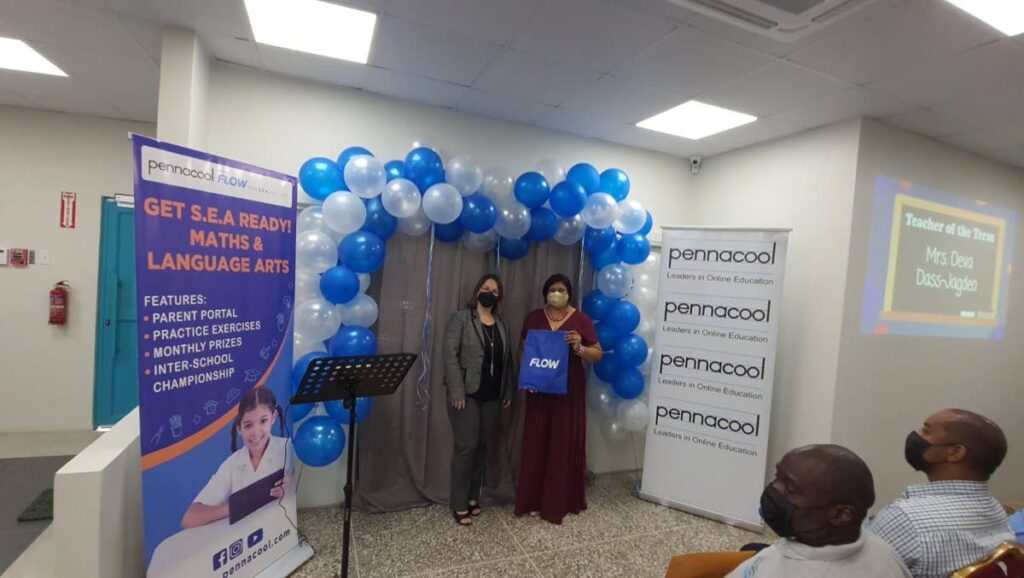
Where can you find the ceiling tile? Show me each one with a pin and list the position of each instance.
(522, 75)
(568, 121)
(220, 17)
(495, 21)
(85, 29)
(409, 87)
(925, 122)
(313, 67)
(598, 35)
(662, 9)
(94, 4)
(749, 134)
(407, 46)
(913, 34)
(983, 109)
(1012, 156)
(982, 69)
(689, 61)
(851, 103)
(231, 49)
(649, 139)
(774, 88)
(622, 101)
(146, 33)
(1002, 136)
(503, 106)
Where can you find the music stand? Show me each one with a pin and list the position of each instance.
(346, 378)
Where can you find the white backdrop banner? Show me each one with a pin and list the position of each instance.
(719, 304)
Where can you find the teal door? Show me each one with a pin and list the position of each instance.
(117, 378)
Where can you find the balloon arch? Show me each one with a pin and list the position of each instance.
(362, 202)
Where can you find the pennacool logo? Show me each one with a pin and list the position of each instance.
(709, 419)
(713, 366)
(699, 309)
(721, 256)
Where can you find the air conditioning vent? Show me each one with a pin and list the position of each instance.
(782, 20)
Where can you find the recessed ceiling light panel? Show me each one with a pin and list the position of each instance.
(313, 26)
(695, 120)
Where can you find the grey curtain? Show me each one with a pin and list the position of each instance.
(403, 454)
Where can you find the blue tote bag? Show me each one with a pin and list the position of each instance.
(545, 365)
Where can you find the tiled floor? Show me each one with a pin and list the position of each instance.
(21, 480)
(618, 535)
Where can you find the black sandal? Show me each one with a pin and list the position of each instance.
(474, 509)
(461, 518)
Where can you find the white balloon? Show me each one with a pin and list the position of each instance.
(570, 231)
(644, 297)
(415, 225)
(317, 319)
(361, 311)
(645, 369)
(302, 345)
(442, 203)
(315, 251)
(312, 217)
(480, 243)
(601, 399)
(613, 430)
(600, 211)
(552, 171)
(401, 198)
(646, 330)
(513, 220)
(365, 176)
(498, 185)
(615, 281)
(632, 217)
(344, 212)
(632, 414)
(364, 282)
(307, 285)
(464, 174)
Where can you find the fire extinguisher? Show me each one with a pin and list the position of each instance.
(59, 304)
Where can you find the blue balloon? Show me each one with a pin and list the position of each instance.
(338, 411)
(598, 240)
(543, 225)
(532, 189)
(394, 170)
(615, 182)
(628, 383)
(607, 335)
(423, 166)
(339, 284)
(297, 412)
(598, 305)
(634, 249)
(567, 199)
(624, 317)
(513, 249)
(299, 369)
(347, 154)
(585, 175)
(319, 441)
(362, 251)
(607, 368)
(448, 233)
(352, 340)
(320, 177)
(631, 350)
(378, 220)
(609, 256)
(647, 226)
(478, 214)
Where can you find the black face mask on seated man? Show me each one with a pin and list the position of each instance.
(915, 448)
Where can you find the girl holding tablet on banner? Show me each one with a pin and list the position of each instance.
(552, 476)
(262, 455)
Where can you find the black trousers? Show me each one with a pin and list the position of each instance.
(475, 428)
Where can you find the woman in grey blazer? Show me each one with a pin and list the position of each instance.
(477, 370)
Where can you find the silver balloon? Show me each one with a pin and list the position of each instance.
(361, 311)
(317, 319)
(310, 218)
(401, 198)
(415, 225)
(644, 297)
(442, 203)
(464, 174)
(307, 285)
(365, 176)
(315, 251)
(645, 369)
(613, 430)
(632, 217)
(646, 330)
(344, 212)
(364, 282)
(601, 399)
(513, 220)
(600, 211)
(302, 345)
(552, 171)
(615, 281)
(570, 231)
(632, 414)
(480, 243)
(498, 185)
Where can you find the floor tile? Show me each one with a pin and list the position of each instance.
(513, 568)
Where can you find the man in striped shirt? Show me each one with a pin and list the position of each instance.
(952, 521)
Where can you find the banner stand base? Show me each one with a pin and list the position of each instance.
(290, 562)
(759, 528)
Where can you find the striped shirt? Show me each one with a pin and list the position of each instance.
(940, 527)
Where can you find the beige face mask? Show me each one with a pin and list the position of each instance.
(558, 300)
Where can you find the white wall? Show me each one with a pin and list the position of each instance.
(888, 385)
(806, 183)
(48, 371)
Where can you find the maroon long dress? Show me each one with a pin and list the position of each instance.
(552, 474)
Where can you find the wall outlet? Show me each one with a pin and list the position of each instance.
(42, 257)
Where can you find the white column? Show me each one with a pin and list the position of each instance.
(184, 82)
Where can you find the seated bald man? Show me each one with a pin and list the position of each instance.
(816, 503)
(952, 521)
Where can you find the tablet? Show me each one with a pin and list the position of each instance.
(252, 497)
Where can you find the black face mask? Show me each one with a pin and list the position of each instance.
(488, 300)
(777, 511)
(914, 451)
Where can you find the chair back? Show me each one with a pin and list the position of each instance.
(705, 564)
(1006, 562)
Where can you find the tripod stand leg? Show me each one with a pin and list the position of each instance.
(351, 402)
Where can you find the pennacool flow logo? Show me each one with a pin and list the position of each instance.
(721, 256)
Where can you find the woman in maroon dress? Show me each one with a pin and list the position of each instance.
(552, 474)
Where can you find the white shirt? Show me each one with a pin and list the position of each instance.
(237, 472)
(869, 556)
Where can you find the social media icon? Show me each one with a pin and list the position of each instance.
(255, 538)
(220, 559)
(236, 549)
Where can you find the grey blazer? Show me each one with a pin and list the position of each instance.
(464, 355)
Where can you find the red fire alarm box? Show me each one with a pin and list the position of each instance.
(19, 257)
